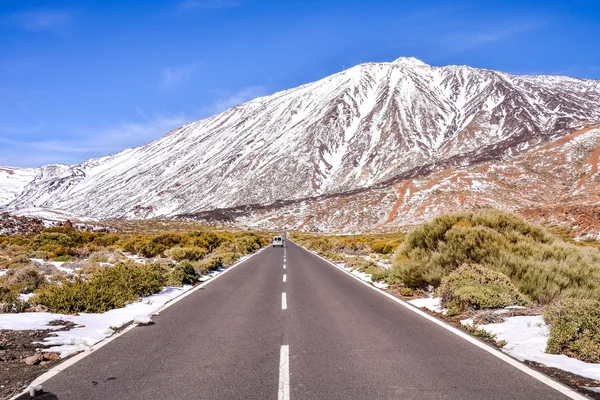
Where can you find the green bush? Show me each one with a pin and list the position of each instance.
(149, 248)
(182, 274)
(64, 258)
(23, 280)
(207, 240)
(106, 289)
(539, 265)
(359, 263)
(209, 264)
(331, 256)
(10, 303)
(476, 287)
(227, 258)
(53, 239)
(575, 329)
(186, 253)
(380, 275)
(382, 247)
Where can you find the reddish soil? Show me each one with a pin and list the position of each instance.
(401, 192)
(581, 218)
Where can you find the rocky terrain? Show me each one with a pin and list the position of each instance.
(555, 184)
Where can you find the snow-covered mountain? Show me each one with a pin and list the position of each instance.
(366, 127)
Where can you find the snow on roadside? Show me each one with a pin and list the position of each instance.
(93, 327)
(359, 274)
(526, 338)
(430, 303)
(364, 276)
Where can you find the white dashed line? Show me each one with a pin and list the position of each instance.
(284, 277)
(283, 301)
(284, 373)
(283, 266)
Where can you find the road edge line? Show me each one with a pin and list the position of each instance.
(52, 372)
(567, 391)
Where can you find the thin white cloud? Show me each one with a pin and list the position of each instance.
(174, 75)
(39, 20)
(195, 4)
(472, 40)
(86, 143)
(226, 99)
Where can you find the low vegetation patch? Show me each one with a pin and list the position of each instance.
(99, 273)
(363, 245)
(538, 264)
(106, 289)
(475, 287)
(358, 252)
(575, 329)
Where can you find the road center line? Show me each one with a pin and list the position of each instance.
(283, 266)
(284, 373)
(284, 277)
(283, 301)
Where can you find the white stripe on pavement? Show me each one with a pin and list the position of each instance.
(283, 301)
(283, 266)
(284, 373)
(284, 277)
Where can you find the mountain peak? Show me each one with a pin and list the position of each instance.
(410, 61)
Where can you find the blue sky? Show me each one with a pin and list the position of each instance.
(80, 79)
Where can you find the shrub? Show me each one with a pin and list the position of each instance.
(540, 266)
(227, 258)
(209, 264)
(52, 239)
(149, 248)
(475, 287)
(331, 256)
(182, 274)
(64, 258)
(10, 303)
(380, 275)
(208, 240)
(186, 253)
(106, 289)
(575, 329)
(99, 257)
(359, 263)
(382, 247)
(24, 280)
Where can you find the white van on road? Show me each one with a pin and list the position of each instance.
(277, 241)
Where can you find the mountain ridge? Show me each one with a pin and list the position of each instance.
(365, 127)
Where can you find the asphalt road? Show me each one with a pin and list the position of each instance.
(341, 340)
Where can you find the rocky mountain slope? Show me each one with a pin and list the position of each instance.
(375, 130)
(557, 183)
